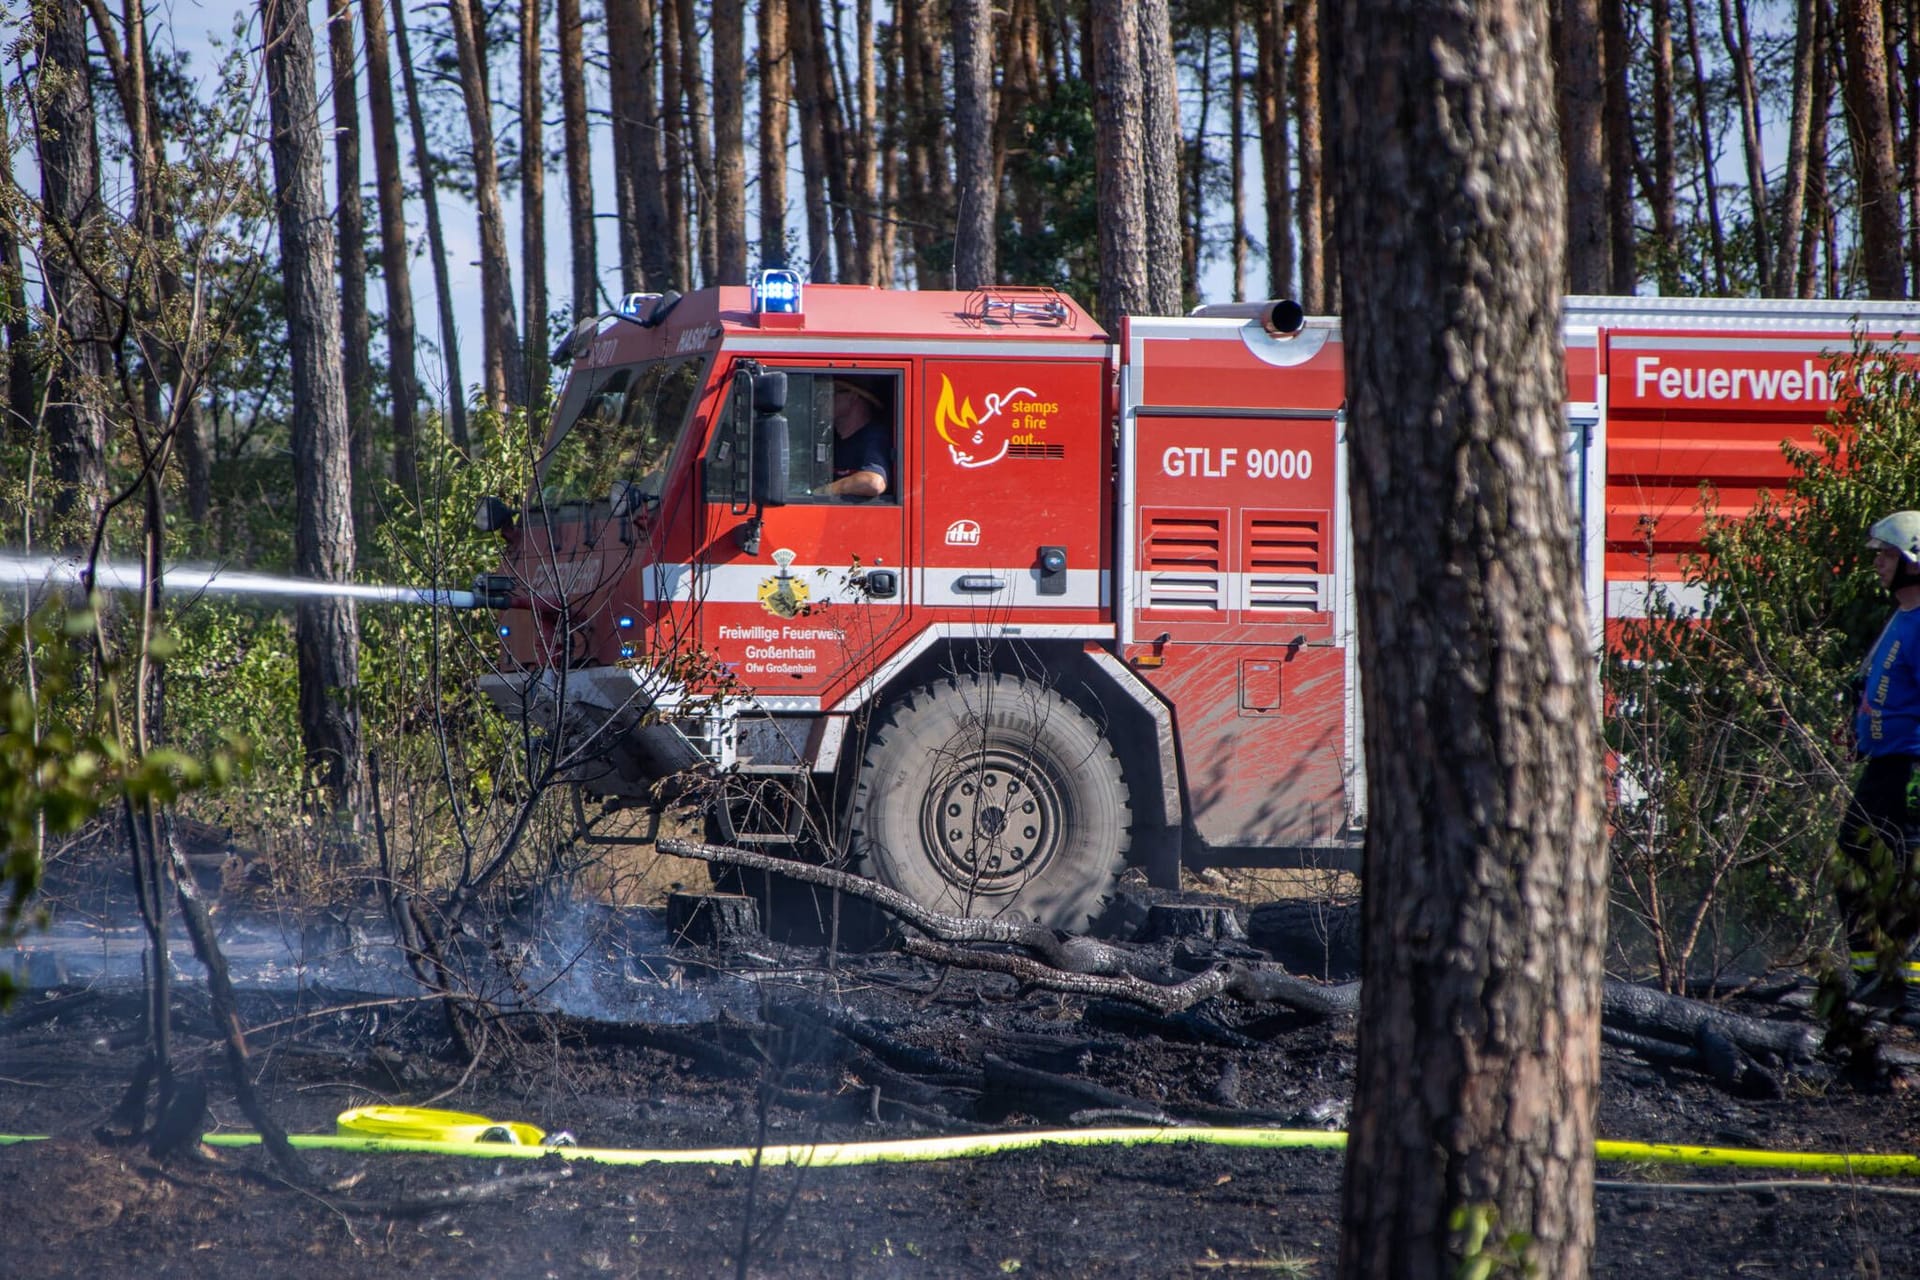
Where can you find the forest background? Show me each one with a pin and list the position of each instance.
(212, 255)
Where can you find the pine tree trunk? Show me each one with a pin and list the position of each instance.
(827, 75)
(1703, 125)
(674, 150)
(1793, 189)
(1160, 153)
(533, 206)
(1309, 28)
(1276, 152)
(1118, 158)
(326, 639)
(863, 150)
(1663, 198)
(1583, 142)
(505, 374)
(78, 360)
(1478, 1056)
(456, 389)
(776, 100)
(19, 367)
(975, 195)
(729, 141)
(1870, 122)
(699, 140)
(582, 240)
(1237, 148)
(813, 147)
(1733, 32)
(1619, 130)
(1820, 218)
(396, 267)
(1193, 226)
(356, 326)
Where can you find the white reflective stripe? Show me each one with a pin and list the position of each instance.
(946, 587)
(1633, 599)
(927, 637)
(1270, 595)
(1092, 347)
(742, 583)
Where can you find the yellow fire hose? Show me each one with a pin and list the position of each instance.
(428, 1132)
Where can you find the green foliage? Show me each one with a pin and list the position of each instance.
(1050, 229)
(64, 755)
(1732, 738)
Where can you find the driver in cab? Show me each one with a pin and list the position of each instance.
(862, 443)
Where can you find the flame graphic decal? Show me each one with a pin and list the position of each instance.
(970, 443)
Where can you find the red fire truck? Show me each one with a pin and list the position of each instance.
(1101, 612)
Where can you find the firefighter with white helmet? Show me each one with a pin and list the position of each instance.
(1878, 885)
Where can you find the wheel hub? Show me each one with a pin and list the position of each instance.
(992, 822)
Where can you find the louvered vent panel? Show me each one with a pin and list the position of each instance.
(1285, 562)
(1185, 561)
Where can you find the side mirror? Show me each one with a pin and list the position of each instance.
(575, 341)
(770, 392)
(493, 515)
(770, 457)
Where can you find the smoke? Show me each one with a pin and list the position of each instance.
(196, 580)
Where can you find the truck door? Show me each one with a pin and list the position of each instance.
(800, 601)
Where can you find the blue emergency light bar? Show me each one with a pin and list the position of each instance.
(634, 305)
(777, 292)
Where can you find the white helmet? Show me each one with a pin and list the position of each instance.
(1899, 532)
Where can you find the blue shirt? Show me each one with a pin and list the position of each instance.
(1888, 720)
(868, 449)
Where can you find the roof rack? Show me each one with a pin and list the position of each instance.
(1016, 304)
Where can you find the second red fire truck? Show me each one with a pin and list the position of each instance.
(1101, 613)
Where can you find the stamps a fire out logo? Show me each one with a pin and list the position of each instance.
(978, 439)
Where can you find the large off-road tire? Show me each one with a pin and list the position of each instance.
(988, 795)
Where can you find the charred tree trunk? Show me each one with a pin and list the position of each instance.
(1276, 153)
(976, 203)
(1870, 122)
(1583, 142)
(1308, 30)
(533, 207)
(1485, 858)
(776, 99)
(1118, 158)
(729, 141)
(456, 392)
(325, 635)
(505, 374)
(1160, 152)
(78, 358)
(396, 266)
(582, 240)
(356, 327)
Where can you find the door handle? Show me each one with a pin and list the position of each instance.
(881, 584)
(980, 582)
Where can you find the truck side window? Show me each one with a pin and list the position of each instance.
(839, 425)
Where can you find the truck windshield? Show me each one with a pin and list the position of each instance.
(618, 424)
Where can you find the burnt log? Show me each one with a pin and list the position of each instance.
(1645, 1011)
(713, 919)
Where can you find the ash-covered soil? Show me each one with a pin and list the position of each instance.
(764, 1044)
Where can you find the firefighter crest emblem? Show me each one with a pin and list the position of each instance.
(783, 595)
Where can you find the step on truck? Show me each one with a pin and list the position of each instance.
(1098, 613)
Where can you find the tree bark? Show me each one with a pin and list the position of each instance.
(582, 240)
(776, 100)
(814, 161)
(729, 141)
(325, 636)
(1703, 126)
(1119, 158)
(456, 389)
(975, 260)
(1733, 32)
(1583, 141)
(1619, 130)
(1237, 148)
(1276, 153)
(78, 358)
(396, 266)
(1485, 858)
(1160, 152)
(356, 327)
(504, 373)
(699, 139)
(1793, 189)
(533, 207)
(674, 149)
(19, 367)
(1308, 31)
(1870, 122)
(1662, 198)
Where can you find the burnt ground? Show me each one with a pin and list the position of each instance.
(692, 1048)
